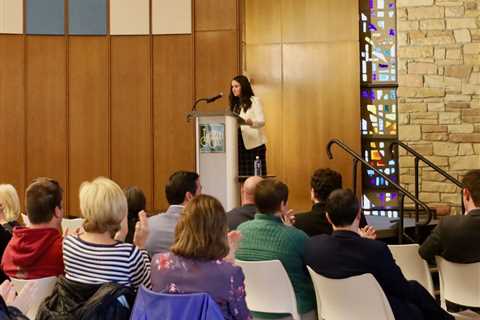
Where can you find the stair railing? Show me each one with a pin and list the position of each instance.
(402, 191)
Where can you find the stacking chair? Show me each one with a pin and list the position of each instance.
(151, 305)
(44, 286)
(412, 265)
(459, 283)
(268, 287)
(359, 298)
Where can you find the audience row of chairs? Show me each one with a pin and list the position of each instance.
(269, 289)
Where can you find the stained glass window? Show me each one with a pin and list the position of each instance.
(378, 41)
(379, 112)
(379, 122)
(383, 204)
(378, 155)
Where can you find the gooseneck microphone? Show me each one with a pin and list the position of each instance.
(194, 112)
(211, 99)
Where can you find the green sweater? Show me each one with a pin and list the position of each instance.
(267, 238)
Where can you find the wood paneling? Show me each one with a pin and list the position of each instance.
(12, 112)
(263, 21)
(320, 102)
(302, 56)
(216, 61)
(173, 98)
(46, 109)
(322, 21)
(88, 113)
(265, 71)
(215, 15)
(131, 116)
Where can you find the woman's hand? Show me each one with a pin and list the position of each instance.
(141, 230)
(234, 238)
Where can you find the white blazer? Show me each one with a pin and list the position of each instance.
(253, 135)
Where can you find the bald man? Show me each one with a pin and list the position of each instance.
(248, 209)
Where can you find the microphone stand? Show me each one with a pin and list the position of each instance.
(194, 111)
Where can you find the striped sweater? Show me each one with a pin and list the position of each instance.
(91, 263)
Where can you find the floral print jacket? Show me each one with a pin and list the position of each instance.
(223, 281)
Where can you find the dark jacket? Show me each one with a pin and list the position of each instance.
(455, 238)
(315, 221)
(239, 215)
(9, 312)
(73, 300)
(345, 254)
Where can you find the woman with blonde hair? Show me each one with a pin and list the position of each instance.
(97, 256)
(9, 212)
(197, 261)
(9, 207)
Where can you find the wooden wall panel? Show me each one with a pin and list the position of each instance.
(263, 21)
(12, 112)
(322, 21)
(265, 71)
(173, 98)
(46, 109)
(88, 113)
(216, 62)
(215, 15)
(131, 116)
(320, 101)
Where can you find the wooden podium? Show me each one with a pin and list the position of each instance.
(217, 156)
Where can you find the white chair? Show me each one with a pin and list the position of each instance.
(412, 265)
(359, 298)
(72, 224)
(44, 287)
(459, 282)
(268, 287)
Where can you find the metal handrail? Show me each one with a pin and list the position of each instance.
(403, 192)
(419, 157)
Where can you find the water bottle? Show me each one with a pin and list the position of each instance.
(257, 166)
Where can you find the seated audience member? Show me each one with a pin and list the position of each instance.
(196, 262)
(9, 212)
(9, 207)
(322, 183)
(345, 254)
(95, 256)
(136, 202)
(248, 209)
(457, 238)
(182, 186)
(36, 251)
(268, 238)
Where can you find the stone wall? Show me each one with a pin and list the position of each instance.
(439, 91)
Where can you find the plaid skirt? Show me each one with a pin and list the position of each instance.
(246, 158)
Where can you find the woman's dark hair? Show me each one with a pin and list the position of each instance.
(136, 202)
(242, 102)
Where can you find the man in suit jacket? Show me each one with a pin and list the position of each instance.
(248, 209)
(314, 222)
(182, 186)
(456, 238)
(346, 253)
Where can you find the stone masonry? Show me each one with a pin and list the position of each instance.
(439, 92)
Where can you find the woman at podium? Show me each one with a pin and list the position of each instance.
(251, 140)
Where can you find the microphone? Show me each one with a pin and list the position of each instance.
(211, 99)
